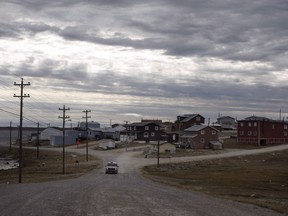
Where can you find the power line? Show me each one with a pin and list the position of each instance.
(17, 115)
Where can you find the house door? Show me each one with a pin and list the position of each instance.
(263, 142)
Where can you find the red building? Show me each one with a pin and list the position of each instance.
(199, 136)
(262, 131)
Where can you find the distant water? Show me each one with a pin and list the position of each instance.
(8, 163)
(5, 135)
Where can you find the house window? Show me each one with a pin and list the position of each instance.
(255, 124)
(146, 134)
(146, 127)
(285, 133)
(249, 124)
(152, 134)
(156, 128)
(202, 132)
(213, 132)
(273, 126)
(241, 124)
(255, 133)
(285, 127)
(242, 133)
(202, 140)
(134, 128)
(249, 133)
(198, 118)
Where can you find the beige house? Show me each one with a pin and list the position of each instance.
(163, 147)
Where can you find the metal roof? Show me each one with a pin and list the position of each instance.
(189, 135)
(196, 128)
(142, 123)
(188, 117)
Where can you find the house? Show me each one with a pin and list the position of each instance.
(90, 124)
(105, 133)
(164, 147)
(216, 126)
(262, 131)
(227, 122)
(144, 131)
(93, 133)
(199, 136)
(55, 136)
(188, 120)
(174, 136)
(113, 133)
(167, 126)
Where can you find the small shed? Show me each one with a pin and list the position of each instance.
(216, 145)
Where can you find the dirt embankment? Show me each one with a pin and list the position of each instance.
(259, 179)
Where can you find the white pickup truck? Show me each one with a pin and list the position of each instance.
(112, 168)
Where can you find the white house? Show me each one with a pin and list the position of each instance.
(227, 122)
(48, 132)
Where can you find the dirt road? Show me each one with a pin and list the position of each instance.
(126, 194)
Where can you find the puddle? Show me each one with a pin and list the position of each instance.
(8, 163)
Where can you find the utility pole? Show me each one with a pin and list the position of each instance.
(64, 117)
(38, 143)
(126, 133)
(21, 96)
(86, 116)
(158, 149)
(10, 147)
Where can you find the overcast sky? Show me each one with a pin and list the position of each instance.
(132, 59)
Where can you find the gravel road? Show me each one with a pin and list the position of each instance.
(127, 193)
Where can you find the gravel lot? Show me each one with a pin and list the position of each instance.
(127, 193)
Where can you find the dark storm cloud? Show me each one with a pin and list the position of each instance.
(235, 30)
(8, 31)
(20, 30)
(42, 4)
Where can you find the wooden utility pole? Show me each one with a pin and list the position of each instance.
(10, 146)
(86, 116)
(64, 117)
(38, 143)
(126, 133)
(21, 96)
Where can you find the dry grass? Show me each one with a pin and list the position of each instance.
(259, 179)
(48, 167)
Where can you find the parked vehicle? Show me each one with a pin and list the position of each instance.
(111, 168)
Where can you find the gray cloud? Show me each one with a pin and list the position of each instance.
(232, 30)
(251, 35)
